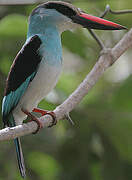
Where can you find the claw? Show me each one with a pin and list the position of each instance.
(41, 111)
(52, 114)
(45, 112)
(33, 118)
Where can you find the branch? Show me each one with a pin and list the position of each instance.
(97, 39)
(106, 59)
(108, 9)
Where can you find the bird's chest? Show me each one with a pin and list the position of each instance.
(49, 68)
(47, 73)
(46, 77)
(43, 82)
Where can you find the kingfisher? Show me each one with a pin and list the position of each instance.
(37, 66)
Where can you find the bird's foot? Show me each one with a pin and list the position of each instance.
(45, 112)
(41, 111)
(33, 118)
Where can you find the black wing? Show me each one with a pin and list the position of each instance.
(21, 73)
(24, 64)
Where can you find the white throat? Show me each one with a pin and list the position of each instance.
(67, 24)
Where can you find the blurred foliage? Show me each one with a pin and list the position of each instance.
(99, 146)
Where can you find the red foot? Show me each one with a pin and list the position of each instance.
(33, 118)
(45, 112)
(41, 111)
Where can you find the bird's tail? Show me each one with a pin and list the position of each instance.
(10, 122)
(20, 158)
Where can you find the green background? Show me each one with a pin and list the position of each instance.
(99, 146)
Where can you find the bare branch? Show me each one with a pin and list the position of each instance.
(106, 59)
(108, 9)
(97, 39)
(121, 11)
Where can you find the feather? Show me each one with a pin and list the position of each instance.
(22, 72)
(20, 158)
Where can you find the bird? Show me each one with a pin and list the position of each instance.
(37, 66)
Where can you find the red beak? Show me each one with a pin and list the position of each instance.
(93, 22)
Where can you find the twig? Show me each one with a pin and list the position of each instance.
(121, 11)
(98, 40)
(107, 58)
(108, 9)
(68, 118)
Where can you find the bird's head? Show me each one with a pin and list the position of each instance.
(65, 16)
